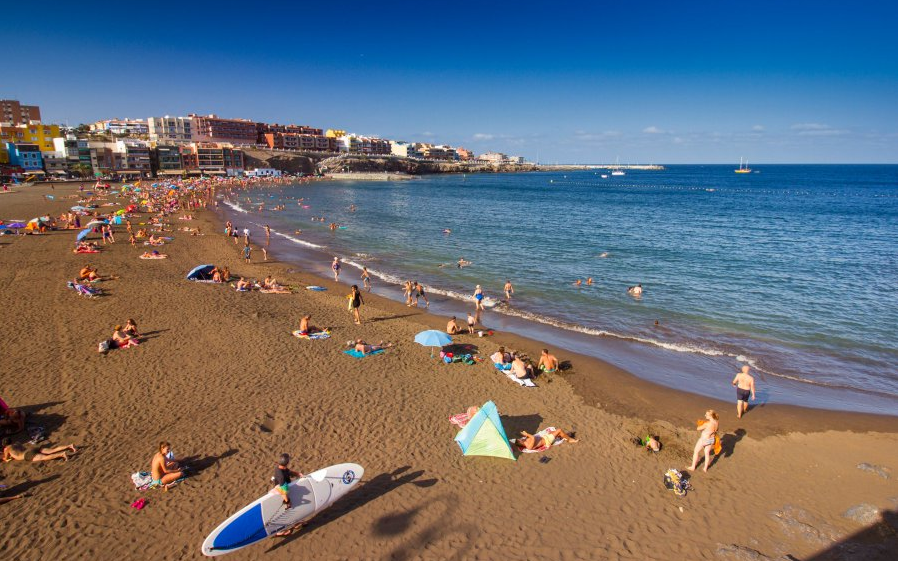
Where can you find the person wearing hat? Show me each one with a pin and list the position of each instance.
(283, 476)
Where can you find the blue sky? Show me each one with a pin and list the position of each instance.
(665, 82)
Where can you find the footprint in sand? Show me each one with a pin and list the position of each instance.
(270, 424)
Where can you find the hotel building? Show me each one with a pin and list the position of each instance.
(170, 129)
(211, 128)
(13, 112)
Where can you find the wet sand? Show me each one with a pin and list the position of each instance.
(221, 377)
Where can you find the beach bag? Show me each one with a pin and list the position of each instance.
(104, 346)
(674, 480)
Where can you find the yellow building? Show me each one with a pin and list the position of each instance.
(334, 133)
(34, 133)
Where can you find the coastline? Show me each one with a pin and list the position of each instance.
(220, 376)
(598, 381)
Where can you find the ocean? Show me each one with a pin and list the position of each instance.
(792, 269)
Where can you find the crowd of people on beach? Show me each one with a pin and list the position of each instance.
(159, 203)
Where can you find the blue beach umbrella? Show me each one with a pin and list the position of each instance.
(433, 338)
(83, 234)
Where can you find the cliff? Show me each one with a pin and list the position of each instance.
(309, 163)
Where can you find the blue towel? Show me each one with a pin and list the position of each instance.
(356, 354)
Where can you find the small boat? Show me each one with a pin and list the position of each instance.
(617, 170)
(604, 176)
(743, 167)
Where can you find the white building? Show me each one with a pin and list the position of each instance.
(170, 129)
(122, 126)
(404, 149)
(264, 172)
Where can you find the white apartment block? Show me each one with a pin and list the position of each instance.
(170, 129)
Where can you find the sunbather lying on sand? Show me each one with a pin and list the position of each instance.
(365, 348)
(34, 454)
(532, 442)
(243, 285)
(153, 255)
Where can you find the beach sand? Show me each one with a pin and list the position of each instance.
(222, 378)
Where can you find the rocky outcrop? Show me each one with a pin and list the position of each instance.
(313, 162)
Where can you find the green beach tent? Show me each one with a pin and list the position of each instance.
(484, 435)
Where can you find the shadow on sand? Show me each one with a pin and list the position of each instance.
(372, 489)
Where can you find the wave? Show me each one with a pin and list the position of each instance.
(235, 206)
(298, 241)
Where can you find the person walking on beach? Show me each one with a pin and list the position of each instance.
(283, 475)
(366, 279)
(267, 234)
(247, 253)
(419, 293)
(355, 302)
(335, 267)
(745, 390)
(407, 290)
(707, 440)
(509, 290)
(472, 321)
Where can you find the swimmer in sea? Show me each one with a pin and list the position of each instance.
(603, 254)
(463, 263)
(635, 291)
(578, 283)
(589, 281)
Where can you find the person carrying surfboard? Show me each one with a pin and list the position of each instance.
(283, 476)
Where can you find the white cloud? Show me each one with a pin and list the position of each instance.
(584, 136)
(677, 140)
(758, 128)
(653, 130)
(484, 136)
(816, 129)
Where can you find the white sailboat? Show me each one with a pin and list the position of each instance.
(617, 170)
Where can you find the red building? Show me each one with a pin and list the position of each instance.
(11, 111)
(211, 128)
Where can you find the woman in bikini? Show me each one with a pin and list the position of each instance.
(706, 440)
(165, 470)
(34, 454)
(532, 441)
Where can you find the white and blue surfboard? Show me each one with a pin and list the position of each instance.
(266, 516)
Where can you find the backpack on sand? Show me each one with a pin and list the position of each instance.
(675, 481)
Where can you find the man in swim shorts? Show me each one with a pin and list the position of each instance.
(745, 390)
(452, 327)
(547, 362)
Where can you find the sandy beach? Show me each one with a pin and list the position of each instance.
(220, 376)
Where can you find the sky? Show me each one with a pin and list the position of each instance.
(576, 82)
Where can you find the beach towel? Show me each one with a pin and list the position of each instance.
(316, 288)
(356, 354)
(459, 420)
(524, 382)
(312, 336)
(160, 256)
(275, 291)
(142, 480)
(82, 250)
(543, 447)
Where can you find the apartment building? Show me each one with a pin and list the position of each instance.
(405, 149)
(354, 144)
(122, 127)
(263, 128)
(295, 141)
(13, 112)
(26, 156)
(170, 129)
(135, 157)
(166, 160)
(30, 133)
(437, 152)
(212, 158)
(211, 128)
(464, 154)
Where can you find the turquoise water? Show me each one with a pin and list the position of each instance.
(792, 269)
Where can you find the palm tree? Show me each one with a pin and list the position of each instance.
(82, 169)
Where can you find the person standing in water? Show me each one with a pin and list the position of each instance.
(366, 279)
(745, 390)
(419, 293)
(509, 290)
(335, 267)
